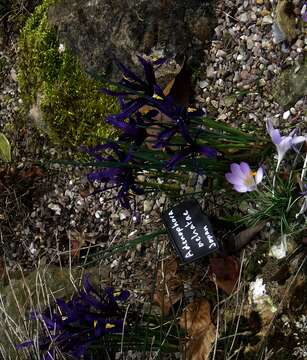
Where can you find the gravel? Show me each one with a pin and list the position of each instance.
(242, 62)
(235, 86)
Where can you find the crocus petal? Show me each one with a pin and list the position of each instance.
(236, 169)
(269, 126)
(274, 133)
(259, 175)
(283, 147)
(275, 136)
(241, 188)
(233, 179)
(246, 170)
(298, 139)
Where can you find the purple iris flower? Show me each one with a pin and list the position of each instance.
(145, 91)
(283, 143)
(121, 177)
(243, 178)
(148, 92)
(190, 150)
(75, 324)
(135, 128)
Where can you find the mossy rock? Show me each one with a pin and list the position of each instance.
(72, 110)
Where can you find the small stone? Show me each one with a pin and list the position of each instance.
(211, 73)
(278, 34)
(114, 263)
(32, 248)
(203, 84)
(13, 75)
(124, 214)
(286, 115)
(132, 233)
(69, 194)
(244, 74)
(98, 214)
(236, 77)
(264, 12)
(148, 205)
(229, 100)
(141, 178)
(215, 103)
(262, 82)
(244, 17)
(293, 111)
(267, 20)
(222, 117)
(250, 44)
(56, 208)
(221, 53)
(52, 151)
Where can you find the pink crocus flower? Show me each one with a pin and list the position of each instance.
(243, 178)
(283, 143)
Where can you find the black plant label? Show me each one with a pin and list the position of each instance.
(190, 231)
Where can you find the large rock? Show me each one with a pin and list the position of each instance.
(97, 31)
(286, 19)
(290, 86)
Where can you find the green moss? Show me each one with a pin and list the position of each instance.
(73, 112)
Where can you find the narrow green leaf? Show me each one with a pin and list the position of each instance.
(5, 148)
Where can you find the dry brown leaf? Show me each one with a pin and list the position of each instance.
(226, 270)
(78, 239)
(180, 89)
(168, 286)
(31, 173)
(196, 320)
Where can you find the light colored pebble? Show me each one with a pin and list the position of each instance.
(286, 115)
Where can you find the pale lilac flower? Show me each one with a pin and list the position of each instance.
(304, 12)
(243, 178)
(283, 143)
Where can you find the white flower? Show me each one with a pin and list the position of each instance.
(279, 251)
(61, 48)
(258, 293)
